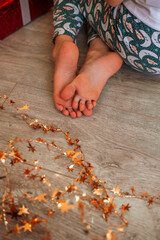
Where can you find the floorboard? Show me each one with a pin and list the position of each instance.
(121, 139)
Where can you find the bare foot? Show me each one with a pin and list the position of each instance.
(65, 54)
(99, 66)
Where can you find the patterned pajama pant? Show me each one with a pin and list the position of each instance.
(135, 42)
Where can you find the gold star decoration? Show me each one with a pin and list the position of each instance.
(65, 207)
(16, 229)
(27, 227)
(72, 154)
(116, 190)
(23, 210)
(125, 208)
(27, 171)
(98, 191)
(39, 198)
(58, 200)
(25, 107)
(31, 148)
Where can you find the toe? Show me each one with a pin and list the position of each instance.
(72, 113)
(87, 112)
(94, 103)
(68, 92)
(76, 102)
(89, 105)
(59, 107)
(78, 113)
(82, 105)
(65, 112)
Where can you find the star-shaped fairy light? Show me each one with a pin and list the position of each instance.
(17, 218)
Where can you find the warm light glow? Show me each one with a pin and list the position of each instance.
(3, 160)
(77, 198)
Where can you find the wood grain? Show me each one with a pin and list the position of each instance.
(121, 139)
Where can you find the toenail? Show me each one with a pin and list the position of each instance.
(82, 101)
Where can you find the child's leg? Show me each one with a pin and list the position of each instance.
(129, 40)
(100, 64)
(67, 23)
(135, 42)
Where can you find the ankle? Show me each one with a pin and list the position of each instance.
(59, 42)
(66, 52)
(97, 46)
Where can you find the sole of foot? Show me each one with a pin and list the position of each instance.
(86, 88)
(65, 55)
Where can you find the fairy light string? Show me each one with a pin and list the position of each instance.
(17, 218)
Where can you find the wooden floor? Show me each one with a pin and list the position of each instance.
(121, 139)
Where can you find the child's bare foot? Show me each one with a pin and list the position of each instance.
(65, 54)
(99, 66)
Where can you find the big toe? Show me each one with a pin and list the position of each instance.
(59, 107)
(68, 92)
